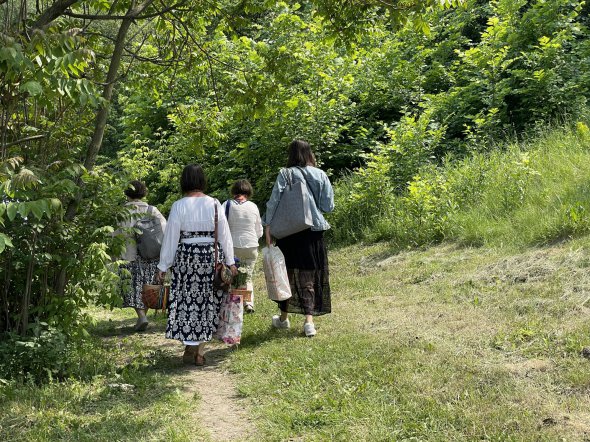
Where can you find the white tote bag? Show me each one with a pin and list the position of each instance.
(275, 273)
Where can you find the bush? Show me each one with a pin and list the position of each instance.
(48, 354)
(525, 194)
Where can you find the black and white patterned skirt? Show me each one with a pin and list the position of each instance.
(193, 309)
(141, 272)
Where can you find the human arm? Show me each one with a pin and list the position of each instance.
(170, 241)
(258, 222)
(326, 202)
(224, 236)
(160, 218)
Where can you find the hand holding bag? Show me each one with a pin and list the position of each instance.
(223, 275)
(293, 213)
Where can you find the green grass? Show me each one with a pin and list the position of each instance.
(136, 395)
(445, 343)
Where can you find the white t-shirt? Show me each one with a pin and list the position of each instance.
(195, 214)
(244, 223)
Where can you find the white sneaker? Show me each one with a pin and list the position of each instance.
(309, 329)
(277, 323)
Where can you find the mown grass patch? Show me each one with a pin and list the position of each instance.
(446, 343)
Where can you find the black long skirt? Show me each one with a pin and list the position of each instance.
(306, 259)
(193, 307)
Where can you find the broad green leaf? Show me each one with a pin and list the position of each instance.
(11, 210)
(32, 87)
(24, 209)
(37, 208)
(5, 241)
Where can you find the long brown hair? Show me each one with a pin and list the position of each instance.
(300, 154)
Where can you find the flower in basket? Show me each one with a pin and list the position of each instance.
(241, 277)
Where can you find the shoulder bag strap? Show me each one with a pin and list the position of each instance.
(215, 236)
(308, 188)
(288, 174)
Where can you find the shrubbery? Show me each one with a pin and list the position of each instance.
(526, 194)
(48, 354)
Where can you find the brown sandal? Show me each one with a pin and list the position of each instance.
(199, 359)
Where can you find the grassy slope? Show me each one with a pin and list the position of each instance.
(447, 343)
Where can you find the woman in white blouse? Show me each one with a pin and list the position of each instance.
(245, 225)
(188, 250)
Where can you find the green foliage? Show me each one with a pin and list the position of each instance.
(45, 355)
(527, 194)
(384, 91)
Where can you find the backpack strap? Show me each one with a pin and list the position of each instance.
(227, 203)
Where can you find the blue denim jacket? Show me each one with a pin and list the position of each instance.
(320, 187)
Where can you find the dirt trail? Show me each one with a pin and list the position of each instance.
(221, 412)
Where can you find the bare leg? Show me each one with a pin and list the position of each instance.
(200, 356)
(142, 321)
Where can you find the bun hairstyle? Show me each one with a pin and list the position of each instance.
(136, 190)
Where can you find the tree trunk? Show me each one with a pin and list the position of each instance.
(101, 119)
(26, 300)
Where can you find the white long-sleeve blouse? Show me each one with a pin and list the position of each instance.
(195, 214)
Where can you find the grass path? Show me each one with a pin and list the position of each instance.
(445, 343)
(220, 415)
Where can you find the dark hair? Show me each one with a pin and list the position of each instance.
(193, 178)
(136, 190)
(300, 154)
(242, 187)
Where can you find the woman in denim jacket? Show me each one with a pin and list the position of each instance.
(305, 252)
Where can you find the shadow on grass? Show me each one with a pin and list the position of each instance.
(124, 327)
(257, 337)
(126, 405)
